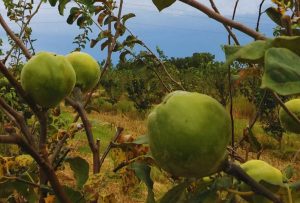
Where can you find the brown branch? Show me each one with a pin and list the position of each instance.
(233, 17)
(259, 15)
(14, 37)
(231, 34)
(87, 126)
(212, 14)
(109, 147)
(110, 49)
(19, 118)
(22, 31)
(8, 139)
(231, 105)
(48, 169)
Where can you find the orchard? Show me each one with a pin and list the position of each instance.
(149, 128)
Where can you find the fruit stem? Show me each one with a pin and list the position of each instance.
(236, 171)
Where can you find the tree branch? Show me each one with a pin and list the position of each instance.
(239, 173)
(22, 31)
(14, 37)
(118, 133)
(231, 34)
(259, 15)
(87, 126)
(19, 118)
(212, 14)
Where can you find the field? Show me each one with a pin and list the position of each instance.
(124, 187)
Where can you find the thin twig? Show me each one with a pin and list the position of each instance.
(212, 14)
(19, 119)
(109, 147)
(231, 34)
(153, 69)
(22, 31)
(259, 15)
(19, 89)
(27, 182)
(233, 17)
(14, 37)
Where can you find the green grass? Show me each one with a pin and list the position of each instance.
(101, 131)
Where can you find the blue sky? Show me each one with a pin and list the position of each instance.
(179, 30)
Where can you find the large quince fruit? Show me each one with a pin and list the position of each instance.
(87, 70)
(188, 134)
(48, 78)
(287, 121)
(262, 171)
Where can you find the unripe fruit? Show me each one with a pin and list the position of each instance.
(87, 70)
(287, 122)
(188, 134)
(261, 171)
(48, 78)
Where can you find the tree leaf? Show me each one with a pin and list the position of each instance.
(282, 72)
(74, 13)
(288, 42)
(162, 4)
(288, 172)
(62, 5)
(80, 167)
(142, 171)
(73, 195)
(127, 16)
(142, 139)
(274, 15)
(53, 2)
(176, 194)
(123, 56)
(250, 53)
(110, 19)
(100, 18)
(104, 44)
(230, 50)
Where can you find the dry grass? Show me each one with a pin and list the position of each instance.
(111, 185)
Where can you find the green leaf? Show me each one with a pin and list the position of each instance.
(250, 53)
(142, 171)
(282, 71)
(104, 44)
(291, 43)
(142, 139)
(73, 195)
(274, 15)
(176, 194)
(110, 19)
(80, 167)
(53, 2)
(288, 172)
(208, 196)
(74, 13)
(80, 21)
(123, 56)
(7, 188)
(230, 50)
(162, 4)
(127, 16)
(62, 5)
